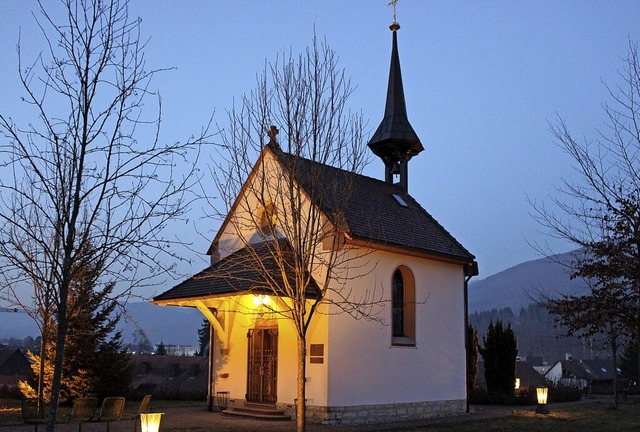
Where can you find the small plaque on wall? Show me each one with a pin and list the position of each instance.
(316, 353)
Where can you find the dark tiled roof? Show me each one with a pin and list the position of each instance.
(599, 369)
(5, 353)
(574, 369)
(371, 211)
(366, 208)
(13, 361)
(243, 271)
(528, 375)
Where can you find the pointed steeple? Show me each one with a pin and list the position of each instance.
(395, 141)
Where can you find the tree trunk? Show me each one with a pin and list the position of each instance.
(301, 419)
(638, 351)
(59, 357)
(614, 358)
(43, 354)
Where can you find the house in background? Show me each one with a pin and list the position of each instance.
(601, 374)
(411, 366)
(14, 366)
(594, 376)
(528, 377)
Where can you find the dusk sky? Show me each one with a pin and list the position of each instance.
(481, 80)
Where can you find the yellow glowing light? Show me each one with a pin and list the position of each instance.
(261, 300)
(517, 386)
(542, 393)
(150, 422)
(542, 407)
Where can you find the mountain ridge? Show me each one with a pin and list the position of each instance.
(169, 325)
(515, 288)
(523, 284)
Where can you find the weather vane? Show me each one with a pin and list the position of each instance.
(393, 3)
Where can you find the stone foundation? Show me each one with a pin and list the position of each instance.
(383, 413)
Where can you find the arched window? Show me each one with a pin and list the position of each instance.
(268, 218)
(398, 304)
(403, 307)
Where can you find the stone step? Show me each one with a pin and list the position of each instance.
(257, 411)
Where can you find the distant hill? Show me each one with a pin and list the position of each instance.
(170, 325)
(511, 288)
(518, 286)
(511, 295)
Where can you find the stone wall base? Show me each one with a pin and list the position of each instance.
(383, 413)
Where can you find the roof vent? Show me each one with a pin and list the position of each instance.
(401, 201)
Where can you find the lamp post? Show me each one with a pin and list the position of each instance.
(150, 422)
(542, 393)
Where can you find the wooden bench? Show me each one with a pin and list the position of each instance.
(83, 410)
(111, 410)
(145, 407)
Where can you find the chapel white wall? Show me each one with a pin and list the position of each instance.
(363, 366)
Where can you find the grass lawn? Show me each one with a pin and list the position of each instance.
(10, 409)
(585, 416)
(590, 415)
(10, 412)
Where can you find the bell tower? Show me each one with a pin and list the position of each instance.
(395, 141)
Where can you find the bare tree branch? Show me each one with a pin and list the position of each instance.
(90, 169)
(600, 214)
(285, 212)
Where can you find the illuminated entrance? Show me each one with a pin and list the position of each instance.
(262, 370)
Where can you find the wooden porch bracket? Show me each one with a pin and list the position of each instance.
(223, 334)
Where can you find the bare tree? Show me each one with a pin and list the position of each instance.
(89, 168)
(600, 213)
(287, 209)
(591, 314)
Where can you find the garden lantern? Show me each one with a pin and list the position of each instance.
(150, 422)
(542, 393)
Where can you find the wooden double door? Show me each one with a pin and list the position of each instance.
(262, 370)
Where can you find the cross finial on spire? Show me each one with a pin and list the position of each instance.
(394, 25)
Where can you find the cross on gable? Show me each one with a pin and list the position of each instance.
(273, 133)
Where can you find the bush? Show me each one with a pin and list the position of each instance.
(481, 396)
(563, 394)
(525, 396)
(499, 354)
